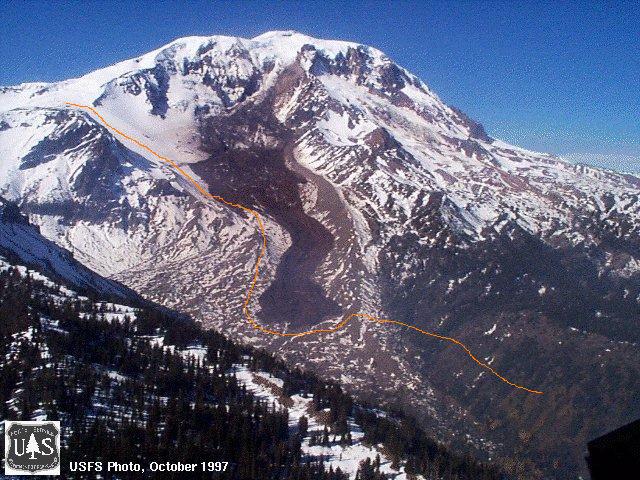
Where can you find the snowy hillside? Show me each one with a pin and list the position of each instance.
(92, 364)
(22, 241)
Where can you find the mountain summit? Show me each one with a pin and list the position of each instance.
(378, 198)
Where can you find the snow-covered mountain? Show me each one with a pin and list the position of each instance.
(21, 241)
(377, 198)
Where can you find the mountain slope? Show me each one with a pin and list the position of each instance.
(378, 198)
(22, 241)
(142, 385)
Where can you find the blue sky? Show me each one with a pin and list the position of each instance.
(562, 77)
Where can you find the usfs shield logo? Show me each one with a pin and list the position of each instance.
(32, 448)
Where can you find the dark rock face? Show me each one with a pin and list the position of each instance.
(379, 140)
(157, 92)
(475, 128)
(10, 213)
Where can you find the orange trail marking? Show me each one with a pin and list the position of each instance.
(263, 248)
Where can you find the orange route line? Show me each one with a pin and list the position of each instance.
(263, 249)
